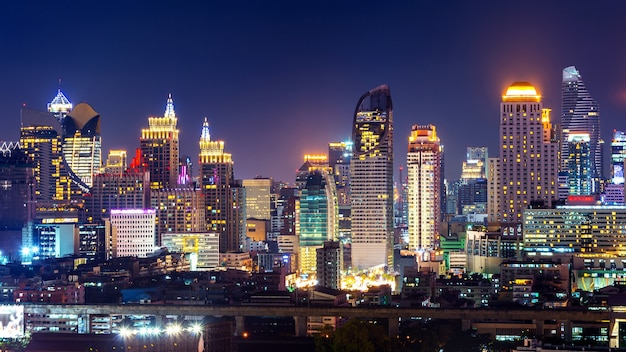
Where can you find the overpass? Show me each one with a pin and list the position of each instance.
(393, 315)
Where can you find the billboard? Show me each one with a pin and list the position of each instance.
(11, 321)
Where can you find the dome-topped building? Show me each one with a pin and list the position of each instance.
(521, 91)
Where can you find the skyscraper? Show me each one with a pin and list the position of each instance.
(318, 217)
(216, 183)
(371, 183)
(159, 148)
(581, 114)
(82, 145)
(579, 164)
(528, 153)
(424, 187)
(41, 140)
(618, 155)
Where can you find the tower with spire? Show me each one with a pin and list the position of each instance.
(160, 148)
(221, 194)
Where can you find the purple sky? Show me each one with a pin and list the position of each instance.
(277, 79)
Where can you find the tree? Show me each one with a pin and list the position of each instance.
(354, 336)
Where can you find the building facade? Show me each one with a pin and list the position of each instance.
(529, 153)
(82, 144)
(160, 148)
(371, 183)
(581, 114)
(132, 233)
(424, 159)
(222, 197)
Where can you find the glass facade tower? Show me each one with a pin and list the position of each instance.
(581, 114)
(371, 182)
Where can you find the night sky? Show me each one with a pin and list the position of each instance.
(277, 79)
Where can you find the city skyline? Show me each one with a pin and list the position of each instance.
(281, 79)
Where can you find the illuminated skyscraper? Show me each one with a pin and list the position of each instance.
(60, 106)
(178, 210)
(424, 187)
(221, 204)
(371, 183)
(618, 155)
(581, 114)
(159, 148)
(82, 145)
(579, 164)
(41, 140)
(258, 198)
(528, 153)
(117, 162)
(318, 217)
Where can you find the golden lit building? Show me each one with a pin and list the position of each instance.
(424, 166)
(223, 199)
(160, 148)
(529, 153)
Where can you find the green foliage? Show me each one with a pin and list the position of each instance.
(17, 344)
(354, 336)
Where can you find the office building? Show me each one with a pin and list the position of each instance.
(576, 228)
(312, 162)
(116, 163)
(581, 114)
(159, 148)
(424, 187)
(132, 233)
(579, 164)
(178, 210)
(222, 197)
(329, 264)
(17, 198)
(258, 193)
(201, 247)
(82, 145)
(618, 155)
(129, 190)
(371, 183)
(41, 140)
(318, 218)
(529, 154)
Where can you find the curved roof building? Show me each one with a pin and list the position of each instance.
(372, 180)
(82, 145)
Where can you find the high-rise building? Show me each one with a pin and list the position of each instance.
(60, 106)
(494, 185)
(178, 210)
(129, 190)
(41, 140)
(618, 155)
(371, 183)
(529, 154)
(82, 145)
(329, 265)
(424, 187)
(581, 114)
(159, 148)
(116, 163)
(318, 218)
(339, 158)
(579, 164)
(312, 162)
(201, 247)
(16, 196)
(476, 165)
(132, 233)
(258, 194)
(221, 197)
